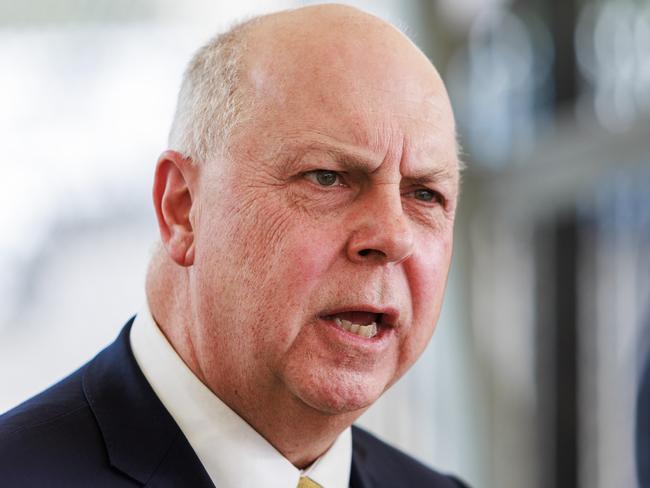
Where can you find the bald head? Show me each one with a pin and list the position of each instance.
(315, 52)
(331, 34)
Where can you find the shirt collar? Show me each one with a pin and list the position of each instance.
(231, 451)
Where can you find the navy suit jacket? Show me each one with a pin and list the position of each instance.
(643, 427)
(103, 426)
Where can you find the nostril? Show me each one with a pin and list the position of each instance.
(371, 252)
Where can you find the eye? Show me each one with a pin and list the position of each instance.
(426, 195)
(323, 177)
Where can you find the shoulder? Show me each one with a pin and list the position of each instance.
(53, 438)
(382, 462)
(48, 407)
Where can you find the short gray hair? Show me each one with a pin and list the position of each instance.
(211, 98)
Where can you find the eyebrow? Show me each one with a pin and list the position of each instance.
(358, 163)
(434, 175)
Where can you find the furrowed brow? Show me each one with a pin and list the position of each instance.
(432, 175)
(362, 162)
(347, 159)
(352, 162)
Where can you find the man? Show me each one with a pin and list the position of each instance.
(306, 211)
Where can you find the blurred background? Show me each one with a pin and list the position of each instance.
(531, 377)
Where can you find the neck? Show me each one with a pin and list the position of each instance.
(170, 306)
(301, 433)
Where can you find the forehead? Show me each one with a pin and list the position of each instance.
(371, 91)
(355, 127)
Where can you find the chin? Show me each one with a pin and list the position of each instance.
(338, 394)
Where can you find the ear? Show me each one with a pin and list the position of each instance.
(172, 197)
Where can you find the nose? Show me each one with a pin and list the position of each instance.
(383, 233)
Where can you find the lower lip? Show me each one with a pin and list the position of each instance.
(377, 342)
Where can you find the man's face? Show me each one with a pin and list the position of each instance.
(337, 205)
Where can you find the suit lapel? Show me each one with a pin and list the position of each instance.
(360, 474)
(141, 438)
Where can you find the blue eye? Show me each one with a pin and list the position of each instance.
(427, 195)
(323, 177)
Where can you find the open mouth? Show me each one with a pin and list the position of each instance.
(361, 323)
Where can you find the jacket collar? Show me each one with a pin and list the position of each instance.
(141, 437)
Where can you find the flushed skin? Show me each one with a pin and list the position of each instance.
(338, 195)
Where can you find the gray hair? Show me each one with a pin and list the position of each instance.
(210, 99)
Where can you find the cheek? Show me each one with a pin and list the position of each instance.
(428, 271)
(307, 256)
(427, 276)
(288, 256)
(296, 276)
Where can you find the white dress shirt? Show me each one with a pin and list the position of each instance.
(231, 451)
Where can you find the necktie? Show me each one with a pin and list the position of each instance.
(307, 483)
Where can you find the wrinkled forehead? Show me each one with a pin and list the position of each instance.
(359, 77)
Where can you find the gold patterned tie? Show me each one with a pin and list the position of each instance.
(307, 483)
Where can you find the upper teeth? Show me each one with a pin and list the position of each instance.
(369, 330)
